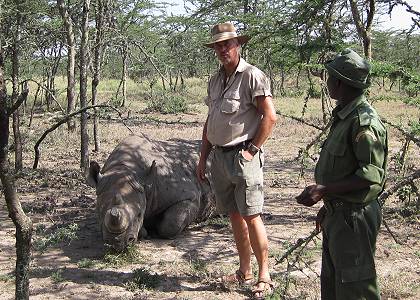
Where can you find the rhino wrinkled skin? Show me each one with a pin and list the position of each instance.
(148, 185)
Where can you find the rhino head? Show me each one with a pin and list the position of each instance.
(120, 205)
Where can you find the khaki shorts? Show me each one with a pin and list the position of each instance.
(237, 183)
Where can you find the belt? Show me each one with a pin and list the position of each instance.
(336, 204)
(241, 145)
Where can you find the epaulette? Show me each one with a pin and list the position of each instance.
(366, 115)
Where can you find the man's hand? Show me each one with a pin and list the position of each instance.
(201, 170)
(319, 218)
(311, 195)
(248, 156)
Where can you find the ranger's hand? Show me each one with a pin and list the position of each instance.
(311, 195)
(319, 218)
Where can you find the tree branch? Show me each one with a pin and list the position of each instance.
(409, 135)
(64, 120)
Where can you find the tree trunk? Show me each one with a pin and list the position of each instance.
(364, 30)
(22, 222)
(15, 86)
(71, 61)
(84, 137)
(124, 74)
(100, 10)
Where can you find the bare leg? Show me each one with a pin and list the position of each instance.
(259, 243)
(240, 233)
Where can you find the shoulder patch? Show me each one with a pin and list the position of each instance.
(367, 133)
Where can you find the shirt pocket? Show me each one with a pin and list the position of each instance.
(230, 103)
(337, 162)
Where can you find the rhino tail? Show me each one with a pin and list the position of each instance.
(94, 175)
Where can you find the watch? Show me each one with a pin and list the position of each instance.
(252, 149)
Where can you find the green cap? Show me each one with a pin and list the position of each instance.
(349, 67)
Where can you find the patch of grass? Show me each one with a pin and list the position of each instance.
(63, 234)
(130, 256)
(199, 267)
(57, 276)
(217, 222)
(142, 279)
(7, 277)
(86, 263)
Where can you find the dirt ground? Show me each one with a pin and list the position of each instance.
(55, 196)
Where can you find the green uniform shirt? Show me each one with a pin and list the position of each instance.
(357, 144)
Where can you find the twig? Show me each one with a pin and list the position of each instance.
(391, 233)
(298, 243)
(409, 135)
(300, 120)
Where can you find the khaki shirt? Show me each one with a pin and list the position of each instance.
(357, 144)
(233, 116)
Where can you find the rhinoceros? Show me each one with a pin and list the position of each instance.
(148, 185)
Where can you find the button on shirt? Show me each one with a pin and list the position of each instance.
(233, 116)
(357, 144)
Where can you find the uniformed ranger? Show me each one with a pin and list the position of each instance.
(349, 175)
(240, 117)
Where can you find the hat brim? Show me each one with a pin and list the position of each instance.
(242, 39)
(351, 82)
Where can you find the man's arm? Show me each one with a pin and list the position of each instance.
(266, 107)
(204, 153)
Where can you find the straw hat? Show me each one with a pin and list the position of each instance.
(223, 32)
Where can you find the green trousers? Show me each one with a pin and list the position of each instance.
(348, 251)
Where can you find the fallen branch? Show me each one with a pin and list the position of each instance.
(64, 120)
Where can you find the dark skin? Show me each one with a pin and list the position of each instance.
(312, 194)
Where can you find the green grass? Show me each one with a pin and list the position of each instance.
(60, 235)
(57, 276)
(86, 263)
(130, 256)
(142, 279)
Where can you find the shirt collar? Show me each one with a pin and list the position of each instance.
(240, 68)
(342, 113)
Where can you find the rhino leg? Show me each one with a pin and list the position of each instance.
(177, 217)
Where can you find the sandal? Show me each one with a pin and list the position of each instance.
(237, 278)
(265, 291)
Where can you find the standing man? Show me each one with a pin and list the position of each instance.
(349, 175)
(240, 118)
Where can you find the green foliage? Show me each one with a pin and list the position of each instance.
(217, 222)
(168, 103)
(130, 256)
(142, 279)
(86, 263)
(199, 267)
(60, 235)
(57, 276)
(7, 277)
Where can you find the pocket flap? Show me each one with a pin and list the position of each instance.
(336, 148)
(229, 106)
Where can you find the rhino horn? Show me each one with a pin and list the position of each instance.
(116, 220)
(152, 169)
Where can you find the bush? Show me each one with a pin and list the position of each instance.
(168, 103)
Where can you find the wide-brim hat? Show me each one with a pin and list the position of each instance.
(225, 31)
(349, 67)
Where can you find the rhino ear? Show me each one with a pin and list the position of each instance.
(152, 169)
(94, 175)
